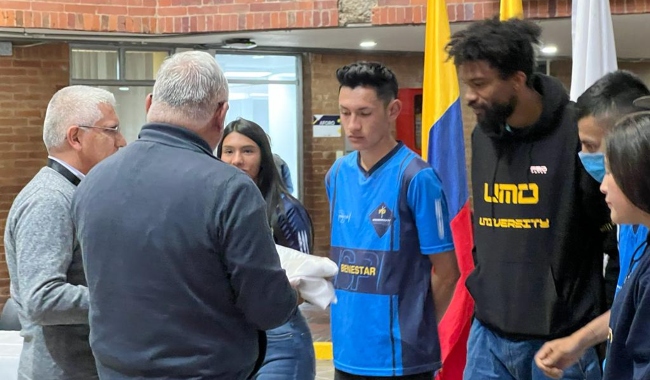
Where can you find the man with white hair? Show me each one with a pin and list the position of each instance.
(44, 258)
(182, 269)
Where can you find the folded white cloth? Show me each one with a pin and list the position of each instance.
(310, 275)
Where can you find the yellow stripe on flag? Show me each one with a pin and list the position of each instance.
(440, 84)
(511, 9)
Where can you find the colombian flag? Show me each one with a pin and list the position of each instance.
(443, 146)
(511, 9)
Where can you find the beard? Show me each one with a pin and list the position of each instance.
(494, 117)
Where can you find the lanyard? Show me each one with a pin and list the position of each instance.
(67, 174)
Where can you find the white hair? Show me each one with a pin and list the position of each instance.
(73, 105)
(188, 88)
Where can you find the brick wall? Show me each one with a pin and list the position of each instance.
(184, 16)
(28, 80)
(392, 12)
(321, 97)
(168, 16)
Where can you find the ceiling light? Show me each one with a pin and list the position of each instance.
(246, 74)
(549, 49)
(239, 43)
(124, 89)
(368, 44)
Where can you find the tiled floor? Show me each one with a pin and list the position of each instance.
(324, 370)
(319, 322)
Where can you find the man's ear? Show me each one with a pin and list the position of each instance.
(73, 137)
(520, 80)
(394, 109)
(221, 112)
(147, 103)
(224, 109)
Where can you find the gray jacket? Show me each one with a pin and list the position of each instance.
(47, 281)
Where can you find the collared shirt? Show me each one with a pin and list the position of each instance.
(74, 171)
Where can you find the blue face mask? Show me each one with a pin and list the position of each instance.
(594, 163)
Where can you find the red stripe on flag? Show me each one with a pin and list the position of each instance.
(454, 327)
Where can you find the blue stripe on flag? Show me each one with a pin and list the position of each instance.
(447, 157)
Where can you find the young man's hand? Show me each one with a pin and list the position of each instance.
(557, 355)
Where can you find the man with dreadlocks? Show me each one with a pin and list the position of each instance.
(538, 213)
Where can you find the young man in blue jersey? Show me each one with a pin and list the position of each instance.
(598, 109)
(390, 225)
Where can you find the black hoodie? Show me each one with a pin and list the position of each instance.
(539, 220)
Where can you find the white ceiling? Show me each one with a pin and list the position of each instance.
(628, 30)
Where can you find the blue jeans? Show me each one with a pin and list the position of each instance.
(490, 356)
(289, 352)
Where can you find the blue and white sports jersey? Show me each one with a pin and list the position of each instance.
(384, 224)
(631, 244)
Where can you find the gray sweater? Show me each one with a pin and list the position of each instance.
(48, 282)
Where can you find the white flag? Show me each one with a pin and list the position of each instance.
(594, 49)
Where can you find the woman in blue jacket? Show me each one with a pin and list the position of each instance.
(290, 350)
(627, 192)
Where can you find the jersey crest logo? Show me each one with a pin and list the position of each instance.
(381, 219)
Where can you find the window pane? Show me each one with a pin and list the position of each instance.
(130, 108)
(274, 108)
(143, 65)
(94, 64)
(256, 67)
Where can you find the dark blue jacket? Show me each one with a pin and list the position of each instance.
(181, 265)
(285, 173)
(628, 354)
(293, 226)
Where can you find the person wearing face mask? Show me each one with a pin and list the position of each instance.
(290, 349)
(598, 109)
(539, 217)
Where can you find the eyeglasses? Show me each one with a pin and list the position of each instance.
(110, 129)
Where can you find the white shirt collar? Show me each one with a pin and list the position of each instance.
(74, 171)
